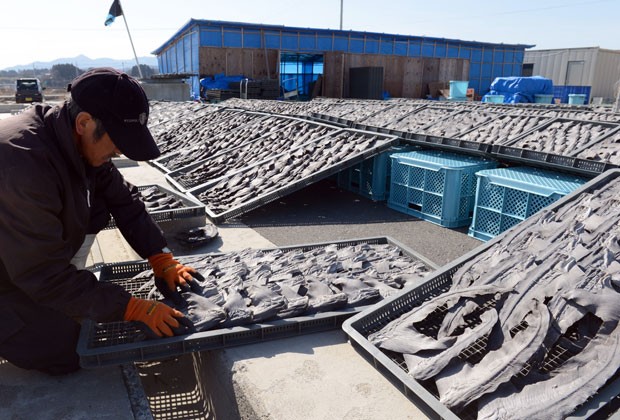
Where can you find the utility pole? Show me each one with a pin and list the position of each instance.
(616, 107)
(131, 42)
(341, 7)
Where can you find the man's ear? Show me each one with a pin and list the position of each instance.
(81, 121)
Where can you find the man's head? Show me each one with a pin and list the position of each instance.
(117, 104)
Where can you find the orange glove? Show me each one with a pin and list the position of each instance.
(157, 316)
(169, 269)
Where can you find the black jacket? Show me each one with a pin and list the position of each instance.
(49, 199)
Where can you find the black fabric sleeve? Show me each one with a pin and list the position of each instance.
(35, 250)
(123, 201)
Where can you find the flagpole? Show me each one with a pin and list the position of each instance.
(131, 41)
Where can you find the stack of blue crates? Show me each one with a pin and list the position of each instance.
(371, 178)
(507, 196)
(436, 186)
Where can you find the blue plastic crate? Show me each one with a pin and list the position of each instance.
(371, 178)
(436, 186)
(507, 196)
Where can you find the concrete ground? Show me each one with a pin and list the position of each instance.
(315, 376)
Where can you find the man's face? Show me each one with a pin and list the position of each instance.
(96, 151)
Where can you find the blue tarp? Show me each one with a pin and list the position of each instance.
(220, 81)
(520, 89)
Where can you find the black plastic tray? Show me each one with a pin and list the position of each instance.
(614, 127)
(550, 161)
(394, 369)
(173, 177)
(447, 110)
(375, 129)
(112, 343)
(542, 120)
(294, 186)
(253, 117)
(191, 207)
(448, 143)
(330, 119)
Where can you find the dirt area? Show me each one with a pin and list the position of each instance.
(7, 95)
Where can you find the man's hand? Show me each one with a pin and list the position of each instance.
(172, 272)
(160, 318)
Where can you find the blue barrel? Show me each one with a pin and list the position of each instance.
(496, 99)
(458, 88)
(576, 98)
(543, 99)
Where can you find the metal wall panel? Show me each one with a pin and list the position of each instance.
(341, 44)
(307, 42)
(251, 39)
(180, 49)
(356, 45)
(606, 75)
(400, 48)
(371, 46)
(211, 37)
(233, 38)
(601, 68)
(195, 53)
(553, 64)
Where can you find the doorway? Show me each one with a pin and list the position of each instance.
(299, 74)
(574, 73)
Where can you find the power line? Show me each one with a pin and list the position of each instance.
(511, 12)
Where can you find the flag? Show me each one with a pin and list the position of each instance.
(115, 11)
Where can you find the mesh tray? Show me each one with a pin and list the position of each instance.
(451, 144)
(248, 151)
(392, 365)
(505, 120)
(610, 128)
(420, 118)
(324, 172)
(381, 118)
(191, 207)
(112, 343)
(241, 118)
(551, 161)
(330, 119)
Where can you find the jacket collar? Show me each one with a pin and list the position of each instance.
(58, 123)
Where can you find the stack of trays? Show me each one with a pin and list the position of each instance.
(174, 206)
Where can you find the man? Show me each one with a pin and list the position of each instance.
(58, 186)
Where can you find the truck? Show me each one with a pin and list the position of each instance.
(28, 90)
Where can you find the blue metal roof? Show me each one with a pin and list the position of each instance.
(217, 23)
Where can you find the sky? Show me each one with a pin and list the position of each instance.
(45, 30)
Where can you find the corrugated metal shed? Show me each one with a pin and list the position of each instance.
(607, 74)
(180, 54)
(594, 67)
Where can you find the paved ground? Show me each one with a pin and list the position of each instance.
(323, 212)
(315, 376)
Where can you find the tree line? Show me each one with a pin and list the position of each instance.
(60, 75)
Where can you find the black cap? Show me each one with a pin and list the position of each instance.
(119, 101)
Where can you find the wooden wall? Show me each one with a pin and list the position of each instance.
(253, 63)
(405, 77)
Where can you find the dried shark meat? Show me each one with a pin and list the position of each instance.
(554, 341)
(251, 286)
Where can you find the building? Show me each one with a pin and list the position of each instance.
(298, 56)
(591, 71)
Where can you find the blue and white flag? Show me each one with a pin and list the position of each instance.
(115, 11)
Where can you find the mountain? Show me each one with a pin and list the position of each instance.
(83, 62)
